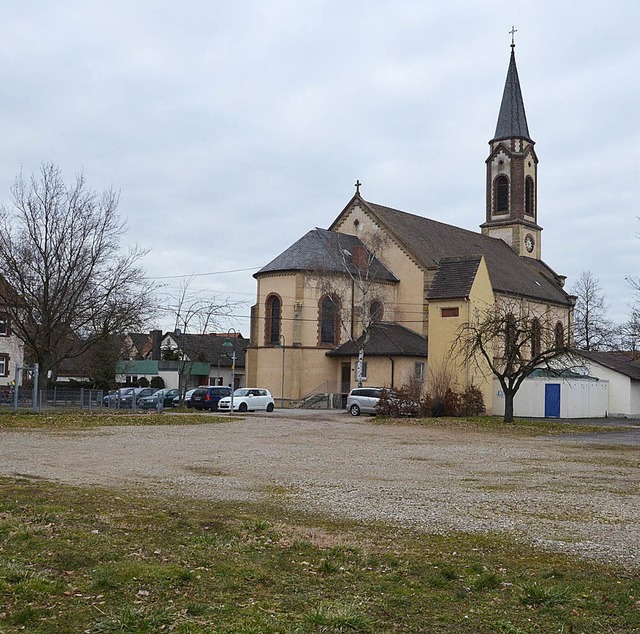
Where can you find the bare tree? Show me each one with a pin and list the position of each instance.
(510, 340)
(195, 312)
(352, 275)
(60, 248)
(592, 330)
(628, 334)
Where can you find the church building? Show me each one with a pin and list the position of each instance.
(395, 287)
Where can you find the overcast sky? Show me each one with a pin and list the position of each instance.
(232, 128)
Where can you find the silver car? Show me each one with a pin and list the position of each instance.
(363, 399)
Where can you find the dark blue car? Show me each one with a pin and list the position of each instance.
(208, 397)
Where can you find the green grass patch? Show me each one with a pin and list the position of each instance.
(84, 419)
(94, 560)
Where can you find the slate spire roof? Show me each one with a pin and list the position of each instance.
(512, 120)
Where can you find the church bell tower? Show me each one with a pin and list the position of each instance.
(512, 174)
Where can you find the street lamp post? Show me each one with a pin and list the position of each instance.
(232, 344)
(284, 343)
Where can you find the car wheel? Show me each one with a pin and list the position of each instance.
(270, 407)
(354, 410)
(242, 407)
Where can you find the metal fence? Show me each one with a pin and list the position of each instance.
(53, 398)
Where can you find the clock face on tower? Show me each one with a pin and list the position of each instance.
(529, 243)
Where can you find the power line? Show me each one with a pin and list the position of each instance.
(173, 277)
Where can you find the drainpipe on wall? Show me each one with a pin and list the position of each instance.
(393, 370)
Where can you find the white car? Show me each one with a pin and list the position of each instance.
(248, 399)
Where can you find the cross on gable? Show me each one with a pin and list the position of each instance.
(357, 186)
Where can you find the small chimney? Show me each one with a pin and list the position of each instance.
(156, 339)
(359, 257)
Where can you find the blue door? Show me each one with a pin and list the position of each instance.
(552, 400)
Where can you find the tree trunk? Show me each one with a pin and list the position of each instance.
(508, 406)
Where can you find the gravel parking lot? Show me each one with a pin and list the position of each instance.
(579, 494)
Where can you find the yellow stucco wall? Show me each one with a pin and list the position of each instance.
(406, 305)
(445, 358)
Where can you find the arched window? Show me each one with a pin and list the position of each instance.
(529, 201)
(273, 320)
(509, 336)
(501, 194)
(329, 313)
(376, 310)
(559, 332)
(535, 338)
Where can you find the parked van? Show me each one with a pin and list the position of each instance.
(363, 399)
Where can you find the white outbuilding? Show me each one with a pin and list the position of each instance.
(622, 371)
(548, 394)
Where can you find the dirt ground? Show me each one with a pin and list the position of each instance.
(578, 493)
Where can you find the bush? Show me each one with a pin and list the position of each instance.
(405, 401)
(472, 402)
(157, 382)
(400, 402)
(143, 381)
(451, 403)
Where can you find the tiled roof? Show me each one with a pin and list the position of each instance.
(208, 348)
(512, 120)
(454, 278)
(8, 295)
(141, 341)
(430, 241)
(326, 251)
(626, 363)
(385, 340)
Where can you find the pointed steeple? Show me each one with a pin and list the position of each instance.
(512, 120)
(512, 174)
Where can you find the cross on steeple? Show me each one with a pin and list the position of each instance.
(513, 32)
(357, 186)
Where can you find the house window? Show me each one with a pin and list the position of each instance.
(529, 203)
(535, 338)
(4, 365)
(450, 312)
(273, 315)
(363, 373)
(501, 194)
(376, 311)
(4, 325)
(329, 312)
(419, 371)
(559, 333)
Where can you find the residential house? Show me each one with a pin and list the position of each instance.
(11, 346)
(199, 359)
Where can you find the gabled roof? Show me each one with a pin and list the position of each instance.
(385, 340)
(454, 278)
(326, 251)
(141, 341)
(208, 348)
(626, 363)
(512, 120)
(430, 242)
(8, 295)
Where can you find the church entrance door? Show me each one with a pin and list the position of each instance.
(345, 381)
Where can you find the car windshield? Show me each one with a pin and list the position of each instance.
(241, 392)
